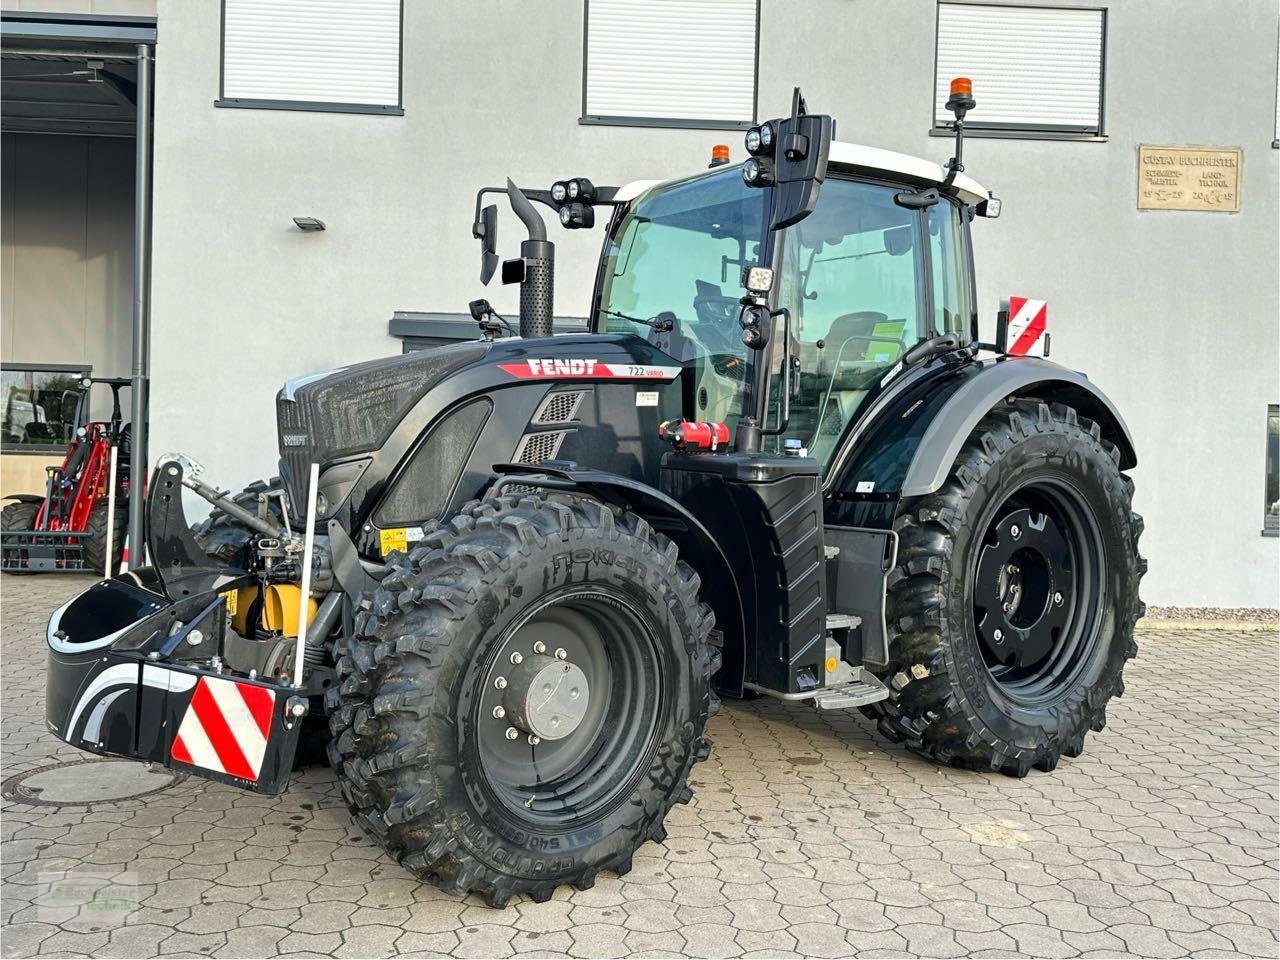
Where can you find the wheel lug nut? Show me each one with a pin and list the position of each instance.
(1016, 531)
(562, 653)
(534, 740)
(512, 733)
(499, 712)
(515, 657)
(500, 683)
(1008, 607)
(998, 636)
(1057, 598)
(539, 647)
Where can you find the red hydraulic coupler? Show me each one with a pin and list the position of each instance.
(694, 435)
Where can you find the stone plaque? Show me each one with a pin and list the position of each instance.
(1189, 178)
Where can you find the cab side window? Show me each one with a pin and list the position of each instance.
(853, 282)
(949, 265)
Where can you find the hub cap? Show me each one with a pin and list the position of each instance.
(547, 697)
(1038, 585)
(1023, 588)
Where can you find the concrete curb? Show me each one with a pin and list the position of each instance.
(1217, 626)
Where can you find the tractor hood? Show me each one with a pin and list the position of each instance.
(402, 438)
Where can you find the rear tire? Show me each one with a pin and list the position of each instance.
(1012, 609)
(424, 759)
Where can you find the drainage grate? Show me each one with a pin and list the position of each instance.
(79, 783)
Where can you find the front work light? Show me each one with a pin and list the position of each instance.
(754, 141)
(766, 136)
(757, 173)
(757, 280)
(575, 216)
(580, 188)
(559, 191)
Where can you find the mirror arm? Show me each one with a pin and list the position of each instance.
(784, 417)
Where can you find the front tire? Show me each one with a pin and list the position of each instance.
(1012, 608)
(95, 537)
(19, 515)
(462, 645)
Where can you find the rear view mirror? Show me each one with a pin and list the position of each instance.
(486, 231)
(898, 240)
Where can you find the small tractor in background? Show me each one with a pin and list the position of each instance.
(78, 523)
(517, 573)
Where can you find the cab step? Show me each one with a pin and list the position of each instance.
(863, 689)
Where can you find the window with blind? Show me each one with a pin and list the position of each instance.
(1036, 70)
(331, 55)
(670, 63)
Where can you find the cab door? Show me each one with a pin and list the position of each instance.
(853, 278)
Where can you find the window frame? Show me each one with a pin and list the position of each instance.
(671, 123)
(1270, 525)
(41, 449)
(1025, 131)
(305, 106)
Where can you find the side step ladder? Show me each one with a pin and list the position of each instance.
(850, 686)
(863, 689)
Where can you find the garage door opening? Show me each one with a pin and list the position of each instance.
(75, 120)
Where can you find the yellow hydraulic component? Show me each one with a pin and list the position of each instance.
(280, 608)
(239, 602)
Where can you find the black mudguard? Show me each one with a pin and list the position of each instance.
(697, 546)
(908, 441)
(1012, 376)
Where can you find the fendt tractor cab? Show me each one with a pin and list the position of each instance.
(516, 573)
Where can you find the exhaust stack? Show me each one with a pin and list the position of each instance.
(537, 286)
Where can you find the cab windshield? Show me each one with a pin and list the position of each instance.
(672, 276)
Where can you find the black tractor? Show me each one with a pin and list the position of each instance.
(516, 573)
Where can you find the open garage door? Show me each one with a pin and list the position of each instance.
(75, 117)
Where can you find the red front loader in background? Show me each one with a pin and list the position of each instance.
(80, 520)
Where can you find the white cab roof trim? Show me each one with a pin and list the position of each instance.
(873, 158)
(630, 191)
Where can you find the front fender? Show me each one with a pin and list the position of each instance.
(698, 548)
(1009, 376)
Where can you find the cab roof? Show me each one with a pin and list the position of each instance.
(855, 157)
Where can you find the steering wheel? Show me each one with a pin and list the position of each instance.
(717, 321)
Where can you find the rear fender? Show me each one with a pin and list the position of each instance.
(1022, 377)
(697, 547)
(25, 497)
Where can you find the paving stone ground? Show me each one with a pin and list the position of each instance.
(809, 835)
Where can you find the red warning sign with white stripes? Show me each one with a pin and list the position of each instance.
(225, 728)
(1027, 321)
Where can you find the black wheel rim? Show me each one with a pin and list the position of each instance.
(595, 637)
(1038, 584)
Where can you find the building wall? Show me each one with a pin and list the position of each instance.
(1173, 314)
